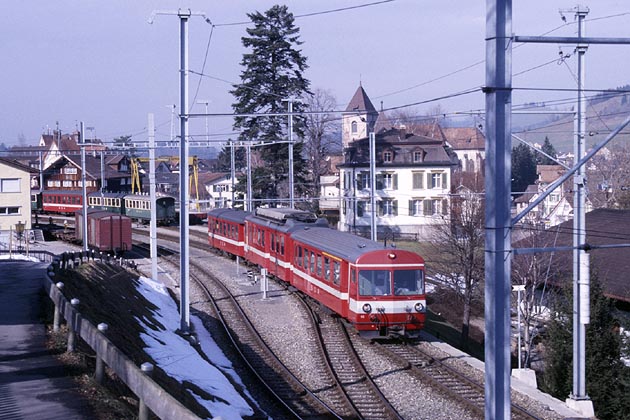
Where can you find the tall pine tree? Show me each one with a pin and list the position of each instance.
(548, 148)
(273, 72)
(607, 379)
(523, 168)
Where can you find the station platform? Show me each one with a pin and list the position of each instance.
(33, 384)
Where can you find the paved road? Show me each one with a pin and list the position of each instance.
(32, 382)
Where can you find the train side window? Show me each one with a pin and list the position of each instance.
(282, 245)
(312, 262)
(353, 275)
(298, 255)
(327, 268)
(319, 265)
(272, 240)
(263, 238)
(305, 260)
(337, 273)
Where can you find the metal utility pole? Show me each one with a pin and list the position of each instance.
(152, 195)
(232, 169)
(249, 177)
(183, 15)
(172, 108)
(290, 133)
(84, 187)
(372, 139)
(581, 279)
(498, 91)
(102, 172)
(41, 171)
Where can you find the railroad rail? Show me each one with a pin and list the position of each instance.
(452, 382)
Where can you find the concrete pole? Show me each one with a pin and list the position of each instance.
(41, 171)
(99, 371)
(183, 173)
(372, 139)
(84, 187)
(102, 172)
(152, 195)
(498, 91)
(143, 410)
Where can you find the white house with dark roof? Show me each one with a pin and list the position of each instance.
(469, 144)
(15, 194)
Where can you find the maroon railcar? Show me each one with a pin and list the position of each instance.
(106, 231)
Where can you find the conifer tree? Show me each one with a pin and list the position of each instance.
(272, 73)
(548, 148)
(523, 168)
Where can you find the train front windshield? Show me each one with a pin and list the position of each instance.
(379, 282)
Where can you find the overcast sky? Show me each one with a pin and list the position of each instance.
(101, 62)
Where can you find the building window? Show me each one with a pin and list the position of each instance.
(415, 207)
(10, 185)
(9, 210)
(354, 128)
(363, 180)
(387, 208)
(434, 206)
(387, 181)
(417, 156)
(387, 157)
(438, 180)
(70, 170)
(361, 207)
(418, 180)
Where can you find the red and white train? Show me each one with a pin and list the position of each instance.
(379, 290)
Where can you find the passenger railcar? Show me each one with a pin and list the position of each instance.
(379, 290)
(62, 201)
(226, 230)
(112, 202)
(138, 207)
(36, 201)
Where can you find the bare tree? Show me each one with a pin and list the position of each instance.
(459, 245)
(414, 123)
(319, 140)
(609, 178)
(532, 271)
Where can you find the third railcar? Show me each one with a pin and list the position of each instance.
(379, 290)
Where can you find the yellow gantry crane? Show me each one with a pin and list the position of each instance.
(194, 179)
(135, 175)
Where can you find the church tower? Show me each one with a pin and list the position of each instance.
(359, 118)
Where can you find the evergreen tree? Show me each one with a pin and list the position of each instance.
(224, 159)
(523, 168)
(548, 148)
(607, 378)
(273, 72)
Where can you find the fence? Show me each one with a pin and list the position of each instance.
(151, 395)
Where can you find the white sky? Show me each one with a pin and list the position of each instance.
(101, 62)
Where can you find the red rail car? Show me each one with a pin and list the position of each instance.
(226, 230)
(106, 231)
(62, 201)
(379, 290)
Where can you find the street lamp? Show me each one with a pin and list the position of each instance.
(518, 289)
(19, 229)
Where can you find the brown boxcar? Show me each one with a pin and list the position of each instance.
(107, 231)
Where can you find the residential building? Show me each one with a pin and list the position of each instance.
(359, 118)
(15, 194)
(469, 144)
(413, 183)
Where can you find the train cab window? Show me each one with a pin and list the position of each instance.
(337, 273)
(327, 268)
(408, 282)
(375, 282)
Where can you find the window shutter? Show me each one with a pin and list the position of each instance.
(395, 207)
(444, 184)
(411, 208)
(395, 181)
(359, 181)
(428, 210)
(429, 180)
(444, 206)
(360, 209)
(379, 181)
(380, 208)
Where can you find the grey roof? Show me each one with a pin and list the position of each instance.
(360, 102)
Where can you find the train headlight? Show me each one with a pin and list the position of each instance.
(419, 307)
(391, 256)
(367, 308)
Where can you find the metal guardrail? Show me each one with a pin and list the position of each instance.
(161, 403)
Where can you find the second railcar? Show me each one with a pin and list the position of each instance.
(226, 230)
(62, 201)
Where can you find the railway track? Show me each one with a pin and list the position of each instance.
(448, 379)
(346, 364)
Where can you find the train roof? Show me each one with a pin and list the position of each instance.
(147, 197)
(232, 215)
(108, 194)
(341, 244)
(65, 192)
(282, 214)
(101, 214)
